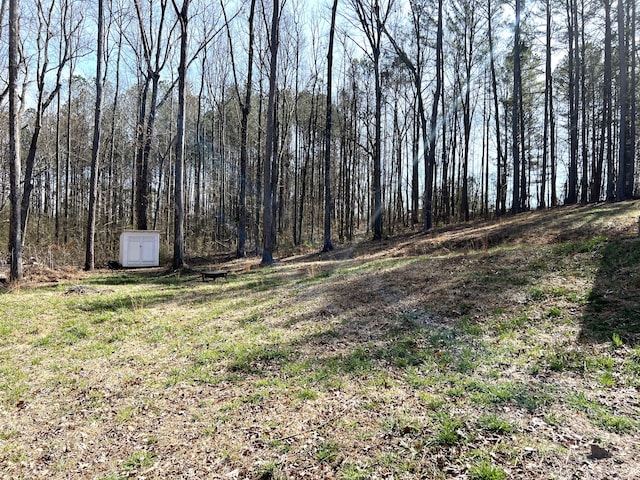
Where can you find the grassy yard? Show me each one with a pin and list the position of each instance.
(498, 350)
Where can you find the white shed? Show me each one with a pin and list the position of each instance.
(140, 248)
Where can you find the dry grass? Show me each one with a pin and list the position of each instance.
(492, 350)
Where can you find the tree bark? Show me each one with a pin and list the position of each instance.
(584, 184)
(245, 107)
(155, 60)
(89, 263)
(547, 94)
(631, 142)
(15, 230)
(608, 103)
(516, 205)
(433, 133)
(328, 246)
(268, 210)
(574, 67)
(501, 174)
(178, 219)
(623, 101)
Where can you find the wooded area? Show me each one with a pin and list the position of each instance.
(255, 124)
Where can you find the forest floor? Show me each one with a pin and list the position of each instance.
(490, 350)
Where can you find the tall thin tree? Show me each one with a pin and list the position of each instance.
(155, 55)
(574, 99)
(547, 97)
(500, 174)
(631, 142)
(89, 263)
(44, 98)
(373, 21)
(623, 101)
(328, 246)
(268, 231)
(516, 205)
(245, 107)
(608, 102)
(431, 159)
(15, 231)
(178, 219)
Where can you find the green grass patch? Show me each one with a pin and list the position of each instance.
(486, 471)
(495, 423)
(600, 415)
(328, 451)
(588, 245)
(306, 394)
(447, 430)
(354, 472)
(138, 461)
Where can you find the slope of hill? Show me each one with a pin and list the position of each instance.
(506, 349)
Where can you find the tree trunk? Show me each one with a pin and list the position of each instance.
(574, 66)
(244, 152)
(623, 100)
(377, 151)
(15, 233)
(259, 171)
(373, 25)
(547, 94)
(604, 148)
(44, 99)
(114, 181)
(245, 107)
(58, 186)
(631, 142)
(415, 170)
(552, 160)
(584, 184)
(433, 130)
(154, 60)
(89, 263)
(500, 186)
(178, 224)
(328, 246)
(268, 211)
(608, 103)
(515, 115)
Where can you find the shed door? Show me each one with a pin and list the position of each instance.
(140, 250)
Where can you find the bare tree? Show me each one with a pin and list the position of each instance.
(623, 100)
(501, 175)
(178, 228)
(574, 99)
(46, 31)
(328, 246)
(627, 82)
(516, 109)
(431, 161)
(429, 133)
(372, 21)
(89, 263)
(155, 55)
(245, 106)
(15, 233)
(268, 231)
(631, 156)
(547, 100)
(465, 29)
(607, 134)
